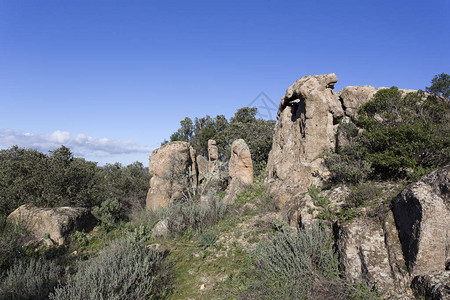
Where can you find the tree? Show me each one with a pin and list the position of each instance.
(440, 85)
(257, 133)
(184, 133)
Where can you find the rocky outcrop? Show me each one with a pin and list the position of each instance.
(432, 286)
(203, 168)
(240, 170)
(307, 118)
(55, 223)
(353, 97)
(173, 170)
(213, 154)
(422, 215)
(370, 251)
(241, 166)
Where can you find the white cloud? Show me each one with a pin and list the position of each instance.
(81, 144)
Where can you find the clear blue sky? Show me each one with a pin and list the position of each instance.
(112, 79)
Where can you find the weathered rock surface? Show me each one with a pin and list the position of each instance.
(353, 97)
(307, 119)
(422, 215)
(203, 168)
(172, 169)
(370, 251)
(213, 155)
(57, 222)
(213, 152)
(432, 286)
(241, 166)
(240, 170)
(161, 229)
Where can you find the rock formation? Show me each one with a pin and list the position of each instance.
(58, 222)
(203, 168)
(422, 214)
(408, 246)
(173, 170)
(241, 167)
(307, 117)
(353, 97)
(240, 170)
(213, 154)
(371, 251)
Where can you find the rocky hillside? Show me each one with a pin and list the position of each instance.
(354, 204)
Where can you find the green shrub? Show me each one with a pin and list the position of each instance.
(124, 270)
(291, 264)
(363, 194)
(402, 137)
(207, 240)
(79, 239)
(110, 212)
(405, 134)
(13, 236)
(299, 265)
(194, 214)
(318, 200)
(33, 279)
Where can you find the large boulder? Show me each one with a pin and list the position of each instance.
(240, 170)
(422, 215)
(203, 168)
(241, 166)
(56, 223)
(353, 97)
(307, 118)
(173, 171)
(369, 250)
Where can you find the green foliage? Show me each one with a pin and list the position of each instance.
(291, 264)
(123, 270)
(193, 214)
(207, 240)
(13, 236)
(128, 185)
(403, 136)
(28, 176)
(58, 179)
(33, 279)
(363, 194)
(257, 133)
(318, 200)
(256, 194)
(300, 265)
(110, 212)
(440, 85)
(349, 163)
(80, 239)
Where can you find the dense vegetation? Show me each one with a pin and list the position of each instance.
(59, 179)
(257, 133)
(395, 136)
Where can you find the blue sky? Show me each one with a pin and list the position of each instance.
(112, 79)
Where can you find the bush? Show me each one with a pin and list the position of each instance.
(405, 134)
(13, 236)
(301, 265)
(124, 270)
(402, 137)
(30, 280)
(110, 212)
(363, 194)
(195, 214)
